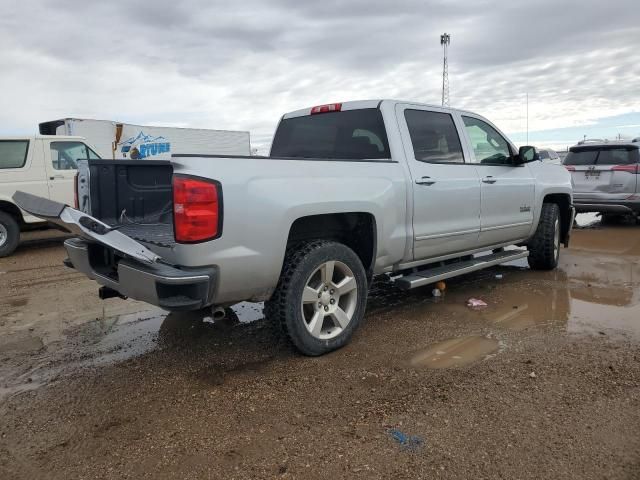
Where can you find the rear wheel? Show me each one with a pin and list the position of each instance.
(9, 234)
(321, 296)
(544, 247)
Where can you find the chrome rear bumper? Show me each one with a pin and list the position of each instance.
(158, 284)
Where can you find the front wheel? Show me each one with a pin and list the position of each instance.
(9, 234)
(544, 247)
(321, 296)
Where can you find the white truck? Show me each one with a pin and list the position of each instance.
(350, 190)
(123, 141)
(45, 165)
(41, 165)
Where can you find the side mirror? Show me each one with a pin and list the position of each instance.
(527, 154)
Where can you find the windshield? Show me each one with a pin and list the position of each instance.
(351, 134)
(602, 156)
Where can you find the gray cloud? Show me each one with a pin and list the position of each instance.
(241, 65)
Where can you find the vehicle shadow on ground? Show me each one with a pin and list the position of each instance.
(38, 239)
(210, 350)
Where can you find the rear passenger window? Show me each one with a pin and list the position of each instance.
(434, 137)
(13, 153)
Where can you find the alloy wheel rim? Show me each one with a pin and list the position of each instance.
(4, 235)
(329, 300)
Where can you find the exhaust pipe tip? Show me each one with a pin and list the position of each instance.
(218, 313)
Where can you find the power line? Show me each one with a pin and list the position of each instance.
(445, 40)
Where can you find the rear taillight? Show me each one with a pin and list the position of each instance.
(626, 168)
(76, 203)
(570, 168)
(330, 107)
(197, 207)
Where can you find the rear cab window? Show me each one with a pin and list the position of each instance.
(347, 135)
(13, 153)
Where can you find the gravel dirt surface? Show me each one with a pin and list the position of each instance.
(544, 382)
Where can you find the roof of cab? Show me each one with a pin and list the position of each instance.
(360, 104)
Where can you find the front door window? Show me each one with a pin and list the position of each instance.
(65, 155)
(488, 145)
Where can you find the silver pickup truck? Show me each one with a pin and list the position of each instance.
(350, 190)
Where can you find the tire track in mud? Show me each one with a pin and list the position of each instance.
(43, 281)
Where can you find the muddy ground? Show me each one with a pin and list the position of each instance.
(542, 383)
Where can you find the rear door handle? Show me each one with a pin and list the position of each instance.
(425, 181)
(56, 177)
(489, 179)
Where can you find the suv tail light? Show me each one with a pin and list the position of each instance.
(330, 107)
(197, 205)
(570, 168)
(626, 168)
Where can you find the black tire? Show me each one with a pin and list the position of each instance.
(9, 234)
(544, 247)
(286, 307)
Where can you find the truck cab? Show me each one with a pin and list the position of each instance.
(41, 165)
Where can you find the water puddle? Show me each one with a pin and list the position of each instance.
(455, 352)
(595, 289)
(134, 334)
(116, 339)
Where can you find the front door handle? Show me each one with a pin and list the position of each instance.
(56, 177)
(425, 181)
(489, 179)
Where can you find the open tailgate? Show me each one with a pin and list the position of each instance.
(79, 223)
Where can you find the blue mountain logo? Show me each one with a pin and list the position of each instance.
(144, 146)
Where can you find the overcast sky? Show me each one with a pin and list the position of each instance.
(240, 65)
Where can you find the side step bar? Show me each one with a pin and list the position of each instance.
(434, 274)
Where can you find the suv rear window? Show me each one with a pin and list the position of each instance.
(350, 135)
(601, 156)
(618, 156)
(13, 153)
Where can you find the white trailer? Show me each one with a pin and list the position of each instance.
(118, 140)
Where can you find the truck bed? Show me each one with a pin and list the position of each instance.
(160, 234)
(136, 197)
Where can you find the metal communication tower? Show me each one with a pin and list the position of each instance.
(445, 40)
